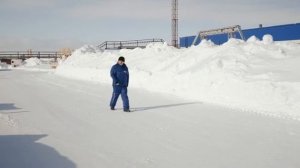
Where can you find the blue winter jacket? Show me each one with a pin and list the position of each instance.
(120, 75)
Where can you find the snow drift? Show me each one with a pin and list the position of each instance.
(36, 64)
(31, 62)
(253, 75)
(3, 65)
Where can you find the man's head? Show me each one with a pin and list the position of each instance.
(121, 60)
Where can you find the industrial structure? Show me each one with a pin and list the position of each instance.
(130, 44)
(230, 31)
(288, 32)
(8, 56)
(175, 23)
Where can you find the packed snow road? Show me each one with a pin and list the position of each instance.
(48, 121)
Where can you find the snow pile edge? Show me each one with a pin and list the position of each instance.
(246, 75)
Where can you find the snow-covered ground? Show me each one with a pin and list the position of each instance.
(3, 66)
(235, 105)
(261, 76)
(51, 122)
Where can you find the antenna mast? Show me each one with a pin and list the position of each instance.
(175, 23)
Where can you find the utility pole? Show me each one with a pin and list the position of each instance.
(175, 23)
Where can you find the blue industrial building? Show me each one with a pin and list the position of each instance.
(279, 33)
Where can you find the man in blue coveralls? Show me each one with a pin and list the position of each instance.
(120, 75)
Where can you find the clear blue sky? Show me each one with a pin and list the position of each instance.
(53, 24)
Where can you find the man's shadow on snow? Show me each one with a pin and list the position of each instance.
(10, 108)
(21, 151)
(138, 109)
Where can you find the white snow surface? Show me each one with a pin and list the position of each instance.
(47, 121)
(3, 65)
(255, 75)
(32, 62)
(36, 64)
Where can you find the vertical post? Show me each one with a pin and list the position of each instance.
(196, 38)
(241, 33)
(175, 23)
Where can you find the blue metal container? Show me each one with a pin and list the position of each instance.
(279, 33)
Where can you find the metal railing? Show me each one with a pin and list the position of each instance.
(131, 44)
(25, 54)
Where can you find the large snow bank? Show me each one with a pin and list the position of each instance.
(253, 75)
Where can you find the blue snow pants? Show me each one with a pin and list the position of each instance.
(116, 93)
